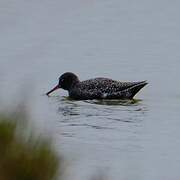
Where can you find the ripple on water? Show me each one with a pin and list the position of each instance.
(99, 114)
(103, 126)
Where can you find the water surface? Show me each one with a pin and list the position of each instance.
(122, 40)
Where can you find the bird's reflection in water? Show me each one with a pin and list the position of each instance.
(67, 107)
(129, 102)
(104, 109)
(99, 114)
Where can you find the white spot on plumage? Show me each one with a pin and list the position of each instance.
(104, 95)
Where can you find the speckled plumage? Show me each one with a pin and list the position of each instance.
(98, 88)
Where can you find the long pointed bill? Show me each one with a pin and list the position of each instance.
(55, 88)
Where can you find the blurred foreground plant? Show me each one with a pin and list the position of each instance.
(25, 156)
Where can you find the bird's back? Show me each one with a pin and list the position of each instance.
(104, 88)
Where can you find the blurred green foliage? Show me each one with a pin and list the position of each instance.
(25, 156)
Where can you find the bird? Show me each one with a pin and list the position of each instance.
(97, 88)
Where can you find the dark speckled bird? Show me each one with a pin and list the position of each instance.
(97, 88)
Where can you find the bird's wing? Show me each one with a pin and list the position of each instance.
(129, 92)
(106, 85)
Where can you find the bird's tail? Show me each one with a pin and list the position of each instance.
(136, 88)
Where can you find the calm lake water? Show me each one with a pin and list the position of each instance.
(119, 39)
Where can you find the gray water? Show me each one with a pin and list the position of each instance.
(119, 39)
